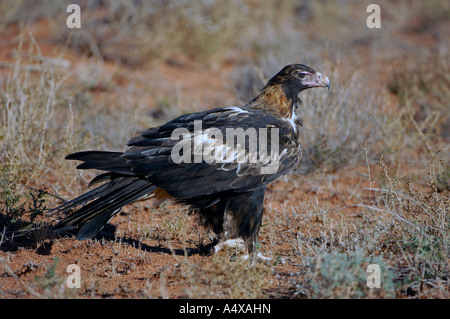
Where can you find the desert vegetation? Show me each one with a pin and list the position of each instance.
(373, 186)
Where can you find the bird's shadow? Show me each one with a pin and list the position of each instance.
(108, 234)
(44, 247)
(188, 251)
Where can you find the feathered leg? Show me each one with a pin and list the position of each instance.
(242, 220)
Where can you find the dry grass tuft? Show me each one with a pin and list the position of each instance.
(133, 33)
(225, 277)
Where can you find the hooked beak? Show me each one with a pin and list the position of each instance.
(321, 80)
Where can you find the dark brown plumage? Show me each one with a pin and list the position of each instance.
(227, 194)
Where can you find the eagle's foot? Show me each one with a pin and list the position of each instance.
(239, 244)
(236, 243)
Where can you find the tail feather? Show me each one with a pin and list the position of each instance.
(103, 203)
(90, 195)
(91, 227)
(104, 177)
(101, 160)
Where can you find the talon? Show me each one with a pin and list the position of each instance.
(237, 243)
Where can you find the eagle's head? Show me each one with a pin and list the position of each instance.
(280, 94)
(295, 78)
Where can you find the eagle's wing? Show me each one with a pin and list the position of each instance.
(214, 151)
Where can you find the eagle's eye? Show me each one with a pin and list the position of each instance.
(301, 75)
